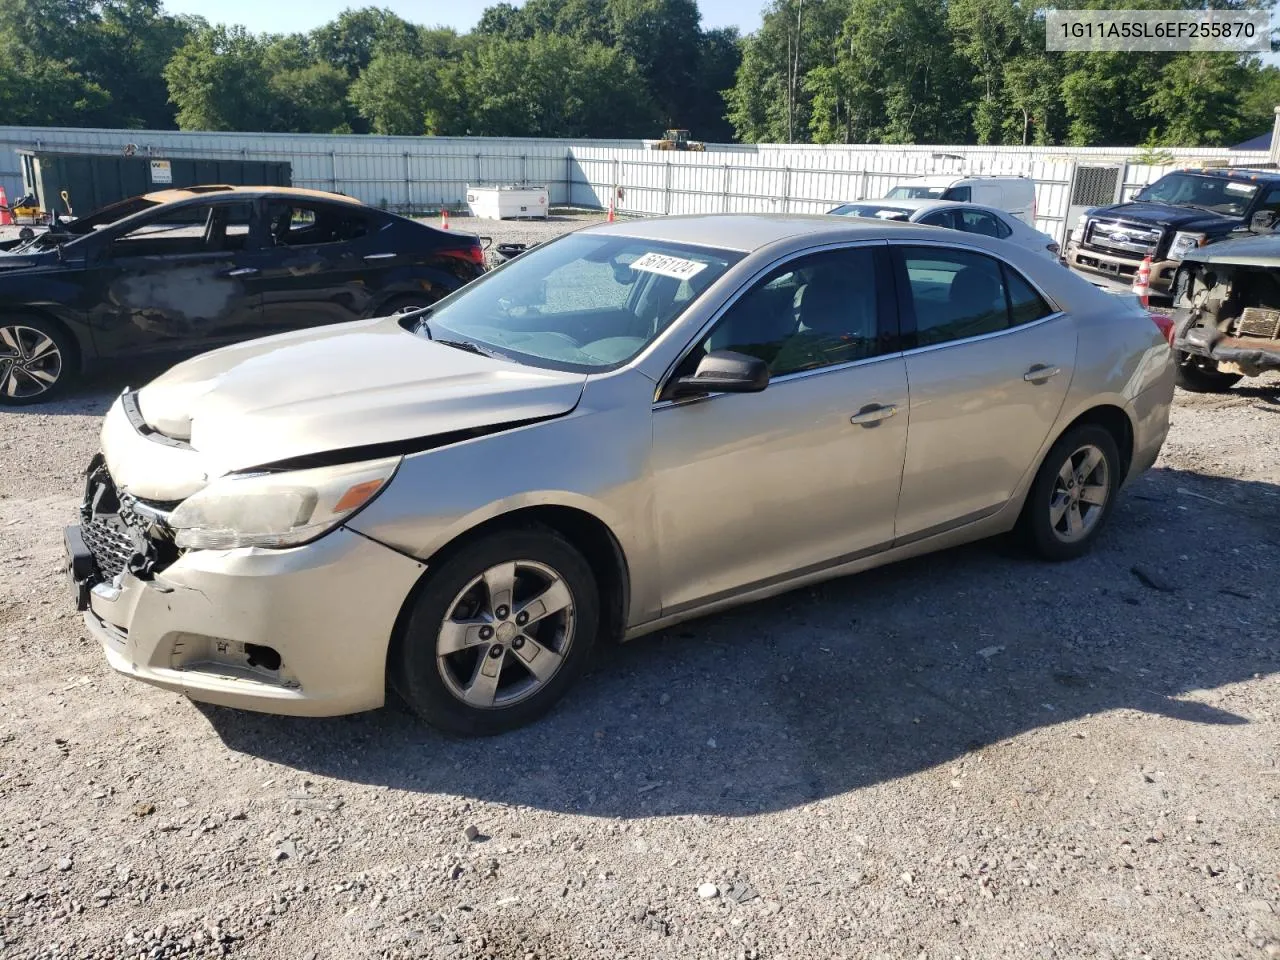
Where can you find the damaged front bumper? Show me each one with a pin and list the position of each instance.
(300, 631)
(1254, 349)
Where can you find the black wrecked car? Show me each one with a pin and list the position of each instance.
(186, 270)
(1180, 212)
(1227, 313)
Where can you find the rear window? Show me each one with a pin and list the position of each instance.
(871, 210)
(908, 192)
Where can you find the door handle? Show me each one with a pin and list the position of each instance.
(1040, 373)
(872, 414)
(378, 256)
(241, 272)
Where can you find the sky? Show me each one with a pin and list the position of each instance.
(299, 16)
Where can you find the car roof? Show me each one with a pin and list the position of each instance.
(216, 189)
(1231, 173)
(917, 204)
(748, 232)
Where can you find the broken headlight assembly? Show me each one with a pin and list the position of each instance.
(1184, 243)
(280, 509)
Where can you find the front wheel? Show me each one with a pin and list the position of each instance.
(1202, 376)
(36, 360)
(1072, 494)
(498, 632)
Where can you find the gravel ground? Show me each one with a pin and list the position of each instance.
(967, 755)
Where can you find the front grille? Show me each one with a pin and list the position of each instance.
(1259, 322)
(108, 540)
(1132, 241)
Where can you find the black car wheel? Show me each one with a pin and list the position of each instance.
(1203, 376)
(498, 632)
(36, 360)
(1073, 494)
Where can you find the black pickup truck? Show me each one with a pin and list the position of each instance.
(1180, 212)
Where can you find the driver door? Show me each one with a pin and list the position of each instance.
(753, 488)
(175, 281)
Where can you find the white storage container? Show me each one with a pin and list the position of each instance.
(507, 202)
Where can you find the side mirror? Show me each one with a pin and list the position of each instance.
(722, 371)
(1264, 220)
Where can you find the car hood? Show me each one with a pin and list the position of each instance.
(1259, 251)
(332, 388)
(1163, 214)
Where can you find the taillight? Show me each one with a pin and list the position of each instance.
(1165, 323)
(472, 254)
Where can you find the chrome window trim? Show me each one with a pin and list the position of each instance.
(706, 328)
(978, 338)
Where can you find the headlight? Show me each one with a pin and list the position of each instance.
(1184, 243)
(277, 509)
(1077, 232)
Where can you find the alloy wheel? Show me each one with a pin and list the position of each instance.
(506, 634)
(30, 362)
(1080, 493)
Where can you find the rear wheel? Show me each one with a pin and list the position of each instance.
(498, 633)
(1200, 375)
(1073, 493)
(36, 360)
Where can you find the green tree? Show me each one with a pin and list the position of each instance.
(352, 40)
(1196, 101)
(40, 91)
(395, 93)
(546, 86)
(218, 81)
(311, 99)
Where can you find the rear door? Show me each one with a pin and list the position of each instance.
(312, 269)
(174, 280)
(989, 366)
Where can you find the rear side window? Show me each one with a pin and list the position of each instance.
(956, 294)
(1025, 305)
(304, 225)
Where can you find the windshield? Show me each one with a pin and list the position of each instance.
(871, 210)
(584, 302)
(1215, 194)
(916, 193)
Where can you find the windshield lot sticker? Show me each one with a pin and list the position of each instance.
(668, 266)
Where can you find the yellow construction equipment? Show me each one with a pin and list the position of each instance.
(678, 140)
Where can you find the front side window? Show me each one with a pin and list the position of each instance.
(962, 194)
(981, 223)
(943, 218)
(955, 294)
(188, 229)
(584, 302)
(812, 312)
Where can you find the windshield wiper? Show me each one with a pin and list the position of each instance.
(469, 347)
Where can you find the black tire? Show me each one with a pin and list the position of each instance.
(1037, 524)
(1203, 376)
(419, 679)
(20, 377)
(403, 304)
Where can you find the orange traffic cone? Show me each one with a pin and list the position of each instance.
(444, 218)
(611, 217)
(1142, 282)
(6, 219)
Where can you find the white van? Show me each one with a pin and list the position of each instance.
(1015, 195)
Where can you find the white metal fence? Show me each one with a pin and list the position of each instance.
(421, 174)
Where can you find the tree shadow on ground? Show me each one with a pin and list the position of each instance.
(864, 679)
